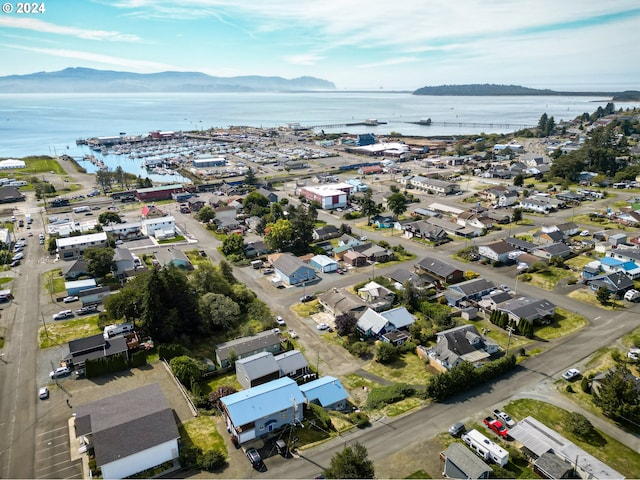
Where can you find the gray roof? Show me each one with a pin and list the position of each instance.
(341, 300)
(463, 463)
(520, 244)
(473, 286)
(93, 347)
(122, 254)
(288, 264)
(499, 247)
(247, 344)
(258, 365)
(438, 267)
(528, 308)
(127, 423)
(556, 248)
(290, 362)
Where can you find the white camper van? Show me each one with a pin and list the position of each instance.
(116, 330)
(485, 448)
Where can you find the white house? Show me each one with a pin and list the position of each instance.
(73, 247)
(130, 432)
(330, 196)
(160, 227)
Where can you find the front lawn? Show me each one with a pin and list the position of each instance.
(603, 447)
(63, 331)
(564, 323)
(201, 432)
(587, 296)
(408, 368)
(549, 278)
(53, 281)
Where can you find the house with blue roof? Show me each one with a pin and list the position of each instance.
(258, 411)
(327, 392)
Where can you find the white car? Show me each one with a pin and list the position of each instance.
(571, 374)
(60, 372)
(293, 334)
(585, 233)
(322, 326)
(633, 354)
(62, 315)
(71, 298)
(280, 321)
(504, 418)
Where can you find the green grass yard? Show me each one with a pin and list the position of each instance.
(61, 332)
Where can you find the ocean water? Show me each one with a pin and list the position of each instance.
(43, 124)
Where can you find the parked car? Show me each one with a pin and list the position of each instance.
(267, 271)
(62, 315)
(280, 321)
(17, 256)
(87, 309)
(15, 263)
(496, 426)
(95, 207)
(306, 298)
(633, 353)
(43, 393)
(504, 417)
(293, 334)
(60, 372)
(571, 374)
(585, 233)
(457, 429)
(322, 326)
(254, 457)
(70, 299)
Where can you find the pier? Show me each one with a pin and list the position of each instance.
(475, 124)
(368, 123)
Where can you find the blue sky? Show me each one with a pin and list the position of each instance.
(357, 44)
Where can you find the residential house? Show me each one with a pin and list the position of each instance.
(538, 440)
(255, 249)
(471, 290)
(453, 228)
(74, 269)
(292, 364)
(195, 205)
(123, 261)
(354, 258)
(548, 237)
(151, 211)
(323, 264)
(530, 309)
(348, 240)
(401, 275)
(460, 462)
(376, 253)
(499, 251)
(95, 347)
(475, 220)
(244, 347)
(433, 185)
(339, 301)
(376, 296)
(519, 244)
(443, 272)
(426, 231)
(325, 232)
(292, 270)
(535, 205)
(258, 411)
(327, 392)
(257, 369)
(616, 283)
(72, 248)
(160, 227)
(131, 432)
(383, 221)
(173, 256)
(124, 231)
(570, 197)
(569, 229)
(459, 344)
(376, 324)
(507, 199)
(493, 299)
(271, 196)
(629, 218)
(554, 250)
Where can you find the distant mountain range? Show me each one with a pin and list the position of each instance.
(488, 89)
(87, 80)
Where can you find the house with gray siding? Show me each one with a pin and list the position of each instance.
(266, 341)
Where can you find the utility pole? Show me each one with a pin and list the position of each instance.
(509, 329)
(44, 324)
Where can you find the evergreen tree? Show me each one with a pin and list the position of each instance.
(352, 462)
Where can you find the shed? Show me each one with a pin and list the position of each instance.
(327, 392)
(77, 286)
(324, 264)
(618, 239)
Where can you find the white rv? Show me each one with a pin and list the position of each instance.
(485, 448)
(111, 331)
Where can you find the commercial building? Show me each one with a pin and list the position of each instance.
(73, 247)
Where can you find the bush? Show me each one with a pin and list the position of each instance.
(358, 349)
(139, 359)
(321, 417)
(381, 396)
(386, 353)
(211, 460)
(167, 352)
(359, 419)
(189, 456)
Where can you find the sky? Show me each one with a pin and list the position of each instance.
(356, 44)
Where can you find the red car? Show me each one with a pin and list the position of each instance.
(497, 426)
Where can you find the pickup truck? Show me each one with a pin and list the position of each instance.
(496, 426)
(504, 417)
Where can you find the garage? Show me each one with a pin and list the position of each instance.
(324, 264)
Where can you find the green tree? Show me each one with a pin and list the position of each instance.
(206, 214)
(346, 324)
(250, 177)
(255, 204)
(127, 302)
(368, 207)
(386, 353)
(186, 369)
(617, 396)
(567, 166)
(99, 261)
(352, 462)
(302, 221)
(579, 425)
(218, 311)
(109, 217)
(518, 180)
(233, 244)
(517, 215)
(397, 204)
(603, 295)
(280, 235)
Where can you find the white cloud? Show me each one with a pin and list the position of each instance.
(37, 25)
(135, 65)
(389, 62)
(308, 59)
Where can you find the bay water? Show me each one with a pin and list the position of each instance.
(49, 124)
